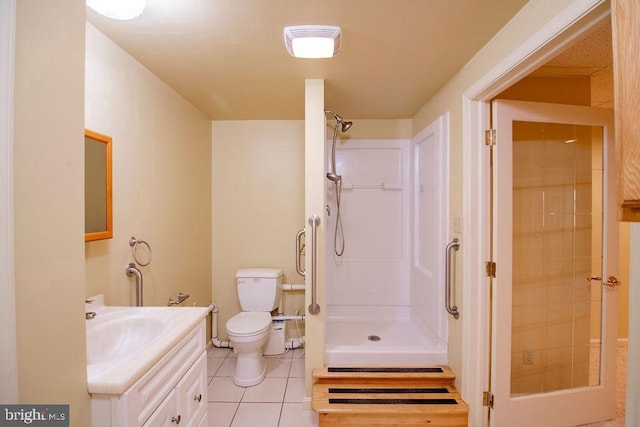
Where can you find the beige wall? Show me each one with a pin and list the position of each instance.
(314, 204)
(558, 90)
(161, 181)
(48, 201)
(258, 206)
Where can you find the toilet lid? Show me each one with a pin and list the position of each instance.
(248, 322)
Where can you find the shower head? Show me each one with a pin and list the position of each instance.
(345, 125)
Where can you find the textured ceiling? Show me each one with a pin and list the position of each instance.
(227, 57)
(587, 57)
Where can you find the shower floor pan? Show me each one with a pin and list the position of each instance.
(382, 336)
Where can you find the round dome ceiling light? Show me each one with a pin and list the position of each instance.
(121, 10)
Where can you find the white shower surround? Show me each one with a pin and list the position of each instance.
(390, 281)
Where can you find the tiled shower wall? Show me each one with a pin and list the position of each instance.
(556, 204)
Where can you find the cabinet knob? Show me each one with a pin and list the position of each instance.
(176, 419)
(198, 398)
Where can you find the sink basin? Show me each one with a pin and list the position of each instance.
(120, 336)
(124, 342)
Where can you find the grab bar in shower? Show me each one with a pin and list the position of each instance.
(314, 220)
(300, 252)
(454, 245)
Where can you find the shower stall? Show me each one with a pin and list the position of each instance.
(386, 218)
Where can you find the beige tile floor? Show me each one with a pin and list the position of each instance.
(276, 402)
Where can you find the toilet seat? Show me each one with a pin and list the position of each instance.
(249, 323)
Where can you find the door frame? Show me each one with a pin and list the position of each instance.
(571, 23)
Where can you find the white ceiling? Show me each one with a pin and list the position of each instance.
(227, 57)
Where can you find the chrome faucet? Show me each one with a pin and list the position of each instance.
(89, 314)
(181, 298)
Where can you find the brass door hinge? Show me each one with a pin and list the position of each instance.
(490, 137)
(487, 399)
(490, 268)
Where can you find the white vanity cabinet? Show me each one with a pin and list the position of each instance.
(172, 392)
(165, 414)
(191, 392)
(187, 403)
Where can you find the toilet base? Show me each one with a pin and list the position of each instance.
(250, 369)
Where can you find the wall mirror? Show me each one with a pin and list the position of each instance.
(98, 213)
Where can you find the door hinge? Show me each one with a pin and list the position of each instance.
(487, 399)
(490, 137)
(490, 268)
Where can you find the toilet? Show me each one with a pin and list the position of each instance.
(259, 292)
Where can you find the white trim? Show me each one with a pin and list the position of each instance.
(8, 350)
(572, 22)
(475, 358)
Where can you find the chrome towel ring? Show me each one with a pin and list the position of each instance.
(133, 242)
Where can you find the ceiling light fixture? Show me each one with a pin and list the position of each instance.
(312, 41)
(121, 10)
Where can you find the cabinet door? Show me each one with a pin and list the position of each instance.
(166, 414)
(192, 393)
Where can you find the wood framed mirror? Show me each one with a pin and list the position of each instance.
(98, 209)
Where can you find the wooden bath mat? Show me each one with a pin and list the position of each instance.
(386, 396)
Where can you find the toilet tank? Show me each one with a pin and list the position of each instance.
(259, 289)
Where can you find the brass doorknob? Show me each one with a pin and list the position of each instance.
(612, 282)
